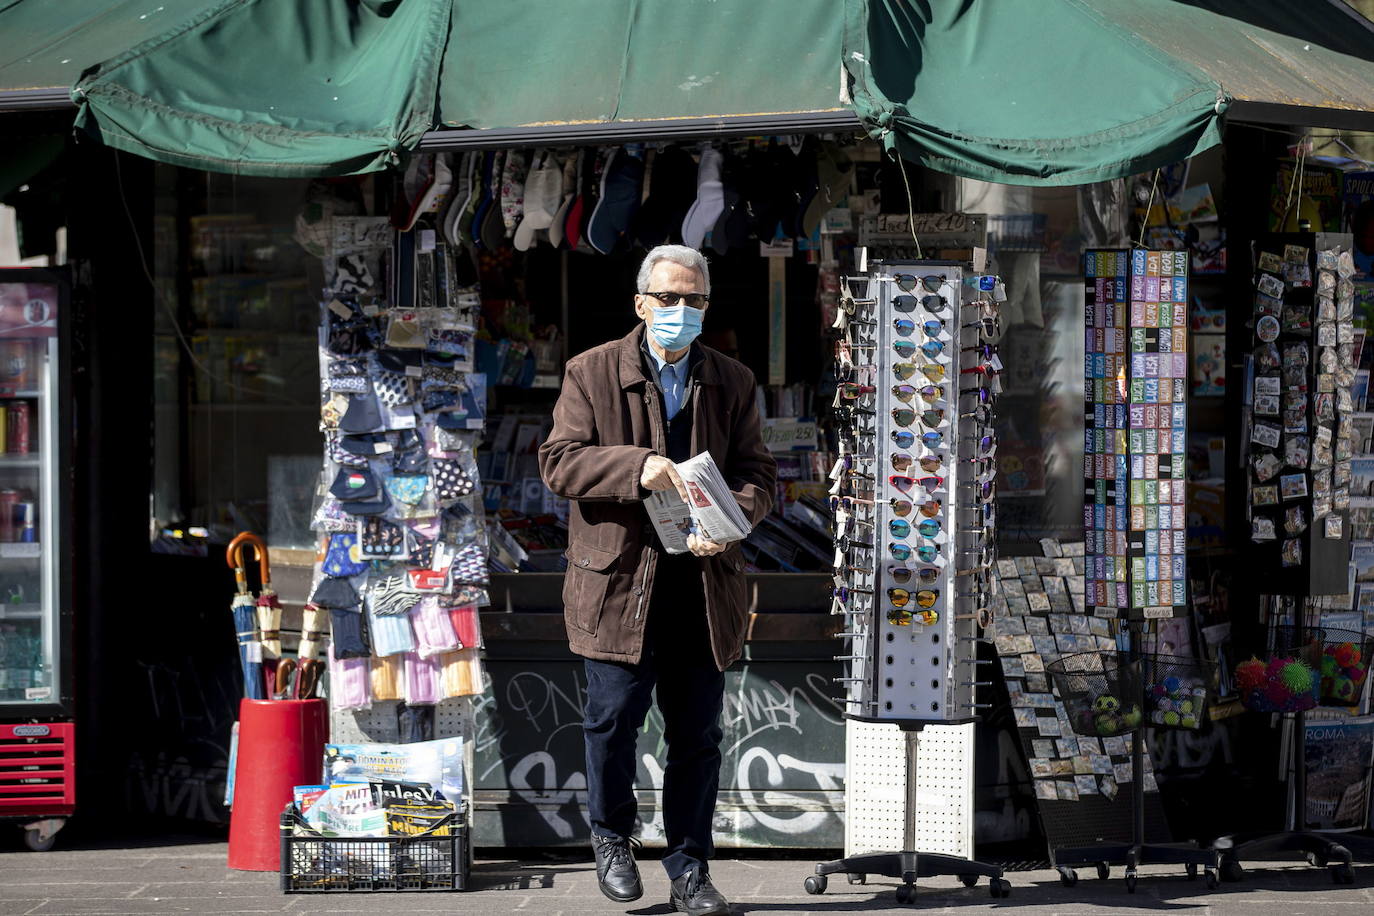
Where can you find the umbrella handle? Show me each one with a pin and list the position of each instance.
(234, 556)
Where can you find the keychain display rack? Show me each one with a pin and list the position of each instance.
(1298, 444)
(912, 492)
(1135, 526)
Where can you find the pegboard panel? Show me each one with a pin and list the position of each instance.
(875, 787)
(877, 806)
(944, 790)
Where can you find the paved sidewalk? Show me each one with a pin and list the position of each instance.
(193, 879)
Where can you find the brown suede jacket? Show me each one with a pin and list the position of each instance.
(606, 424)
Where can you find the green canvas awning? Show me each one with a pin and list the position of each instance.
(1019, 91)
(1054, 92)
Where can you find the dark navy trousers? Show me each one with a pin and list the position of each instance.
(677, 660)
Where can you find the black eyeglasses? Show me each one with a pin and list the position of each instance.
(691, 300)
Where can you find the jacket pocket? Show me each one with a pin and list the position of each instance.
(584, 588)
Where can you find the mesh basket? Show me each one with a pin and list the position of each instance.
(1284, 679)
(1101, 693)
(1177, 689)
(1344, 665)
(436, 860)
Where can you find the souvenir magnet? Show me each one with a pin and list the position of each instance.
(1267, 329)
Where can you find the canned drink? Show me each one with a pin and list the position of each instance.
(9, 503)
(4, 429)
(17, 422)
(26, 522)
(14, 363)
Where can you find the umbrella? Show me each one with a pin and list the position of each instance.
(308, 666)
(245, 624)
(277, 672)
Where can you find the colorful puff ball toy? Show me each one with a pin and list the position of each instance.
(1175, 704)
(1283, 684)
(1343, 673)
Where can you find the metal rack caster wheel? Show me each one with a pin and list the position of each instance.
(906, 893)
(1210, 878)
(36, 842)
(858, 879)
(1342, 873)
(1104, 871)
(1318, 860)
(1231, 870)
(1191, 868)
(815, 884)
(1067, 876)
(1130, 882)
(970, 880)
(999, 887)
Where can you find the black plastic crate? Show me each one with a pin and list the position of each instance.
(315, 864)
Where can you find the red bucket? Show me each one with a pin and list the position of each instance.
(281, 746)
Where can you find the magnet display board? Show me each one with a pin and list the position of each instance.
(1135, 432)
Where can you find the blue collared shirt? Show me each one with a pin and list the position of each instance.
(672, 378)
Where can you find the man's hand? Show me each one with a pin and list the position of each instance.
(702, 547)
(659, 474)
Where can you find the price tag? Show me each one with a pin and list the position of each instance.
(338, 308)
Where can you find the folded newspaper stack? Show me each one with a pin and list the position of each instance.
(711, 512)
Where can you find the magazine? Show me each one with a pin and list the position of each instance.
(713, 513)
(1338, 760)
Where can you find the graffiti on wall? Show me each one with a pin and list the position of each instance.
(782, 773)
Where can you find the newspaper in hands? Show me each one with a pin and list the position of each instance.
(711, 513)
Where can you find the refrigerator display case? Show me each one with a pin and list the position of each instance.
(37, 731)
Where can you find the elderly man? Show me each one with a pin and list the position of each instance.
(642, 617)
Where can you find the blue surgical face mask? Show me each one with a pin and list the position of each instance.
(676, 326)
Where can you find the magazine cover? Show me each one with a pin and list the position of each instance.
(1339, 754)
(1357, 191)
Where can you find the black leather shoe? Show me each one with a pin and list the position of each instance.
(694, 893)
(616, 871)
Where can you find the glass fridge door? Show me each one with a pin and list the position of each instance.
(31, 650)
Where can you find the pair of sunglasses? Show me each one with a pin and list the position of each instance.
(906, 327)
(906, 438)
(930, 508)
(933, 371)
(905, 416)
(989, 327)
(846, 592)
(901, 528)
(929, 463)
(852, 390)
(932, 303)
(929, 393)
(850, 304)
(924, 598)
(926, 553)
(904, 483)
(901, 617)
(908, 348)
(985, 395)
(931, 283)
(902, 575)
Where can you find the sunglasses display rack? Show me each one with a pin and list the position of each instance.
(913, 523)
(1135, 527)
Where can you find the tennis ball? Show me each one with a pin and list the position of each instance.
(1131, 718)
(1171, 718)
(1185, 707)
(1189, 721)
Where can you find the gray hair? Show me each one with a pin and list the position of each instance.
(678, 254)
